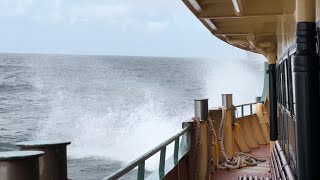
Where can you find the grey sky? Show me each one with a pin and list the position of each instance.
(108, 27)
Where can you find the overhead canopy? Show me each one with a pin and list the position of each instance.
(248, 24)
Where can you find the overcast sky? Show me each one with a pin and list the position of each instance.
(107, 27)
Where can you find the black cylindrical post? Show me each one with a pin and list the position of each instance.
(306, 77)
(273, 103)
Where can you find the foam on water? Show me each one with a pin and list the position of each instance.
(138, 119)
(115, 135)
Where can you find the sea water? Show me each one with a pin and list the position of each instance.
(112, 108)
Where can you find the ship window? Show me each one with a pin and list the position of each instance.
(285, 81)
(283, 85)
(277, 84)
(286, 103)
(293, 91)
(290, 88)
(285, 95)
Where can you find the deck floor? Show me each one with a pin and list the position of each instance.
(261, 170)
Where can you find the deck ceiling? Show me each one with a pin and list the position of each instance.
(234, 20)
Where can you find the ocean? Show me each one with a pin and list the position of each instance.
(112, 108)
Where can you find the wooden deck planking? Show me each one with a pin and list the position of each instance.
(262, 169)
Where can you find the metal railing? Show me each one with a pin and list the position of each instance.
(140, 162)
(242, 109)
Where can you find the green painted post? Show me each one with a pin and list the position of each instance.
(258, 99)
(242, 111)
(176, 149)
(141, 169)
(162, 160)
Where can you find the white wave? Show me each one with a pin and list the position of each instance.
(137, 122)
(117, 134)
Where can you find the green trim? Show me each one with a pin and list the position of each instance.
(172, 161)
(162, 160)
(141, 170)
(176, 148)
(185, 140)
(266, 83)
(170, 164)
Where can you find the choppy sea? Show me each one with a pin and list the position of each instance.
(112, 108)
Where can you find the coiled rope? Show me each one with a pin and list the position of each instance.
(240, 159)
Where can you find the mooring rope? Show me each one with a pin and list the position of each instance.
(211, 133)
(240, 159)
(221, 133)
(197, 149)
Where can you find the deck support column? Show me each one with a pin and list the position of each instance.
(306, 78)
(273, 99)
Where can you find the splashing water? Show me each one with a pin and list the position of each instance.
(113, 109)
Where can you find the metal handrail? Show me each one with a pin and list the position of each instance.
(243, 105)
(249, 104)
(140, 162)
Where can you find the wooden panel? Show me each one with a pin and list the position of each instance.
(257, 132)
(247, 133)
(263, 121)
(263, 7)
(236, 147)
(240, 140)
(180, 171)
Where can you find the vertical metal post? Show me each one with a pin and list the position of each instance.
(273, 103)
(227, 100)
(242, 111)
(53, 164)
(20, 165)
(162, 160)
(201, 109)
(176, 149)
(140, 175)
(251, 109)
(306, 78)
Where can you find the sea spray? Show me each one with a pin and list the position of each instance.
(113, 108)
(121, 133)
